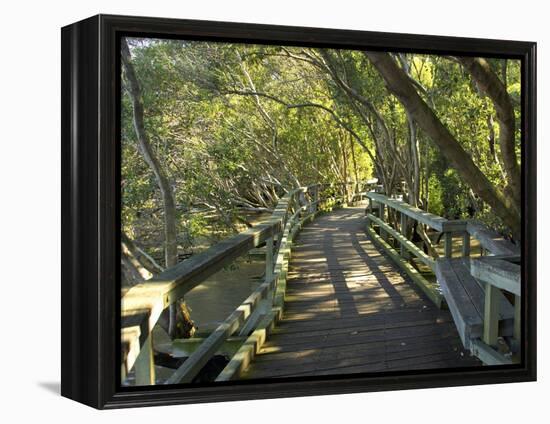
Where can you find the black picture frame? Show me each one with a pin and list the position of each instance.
(90, 209)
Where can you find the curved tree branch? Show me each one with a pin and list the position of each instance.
(305, 104)
(398, 83)
(490, 84)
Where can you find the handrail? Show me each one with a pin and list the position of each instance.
(434, 221)
(490, 240)
(498, 272)
(143, 304)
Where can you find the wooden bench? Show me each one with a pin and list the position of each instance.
(472, 288)
(465, 297)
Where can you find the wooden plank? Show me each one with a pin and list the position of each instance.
(498, 272)
(135, 331)
(465, 243)
(346, 301)
(436, 222)
(492, 241)
(448, 244)
(272, 358)
(318, 364)
(369, 309)
(362, 284)
(358, 279)
(467, 318)
(365, 350)
(291, 337)
(394, 316)
(263, 309)
(130, 349)
(269, 259)
(490, 319)
(180, 348)
(144, 366)
(343, 296)
(474, 290)
(360, 325)
(347, 341)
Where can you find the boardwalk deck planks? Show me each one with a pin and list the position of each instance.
(344, 312)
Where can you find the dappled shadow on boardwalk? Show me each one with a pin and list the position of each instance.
(343, 295)
(348, 309)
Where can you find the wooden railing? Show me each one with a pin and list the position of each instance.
(496, 268)
(379, 206)
(143, 304)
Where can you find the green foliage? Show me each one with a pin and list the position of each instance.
(231, 154)
(435, 196)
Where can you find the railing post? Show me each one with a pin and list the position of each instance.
(269, 271)
(144, 366)
(315, 198)
(381, 216)
(269, 258)
(465, 244)
(490, 319)
(404, 233)
(449, 244)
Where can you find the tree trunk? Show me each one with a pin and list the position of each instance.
(354, 161)
(170, 230)
(400, 85)
(145, 261)
(132, 270)
(490, 84)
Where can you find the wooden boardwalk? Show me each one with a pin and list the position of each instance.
(348, 309)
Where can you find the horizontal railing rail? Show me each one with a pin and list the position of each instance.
(490, 240)
(409, 245)
(434, 221)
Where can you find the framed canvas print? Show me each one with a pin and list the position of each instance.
(255, 211)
